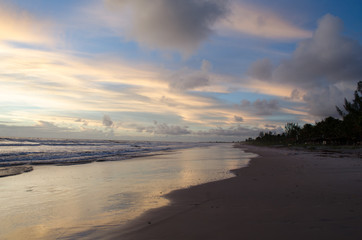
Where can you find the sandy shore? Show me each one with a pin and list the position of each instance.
(283, 194)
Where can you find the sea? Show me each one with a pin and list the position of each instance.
(16, 151)
(64, 198)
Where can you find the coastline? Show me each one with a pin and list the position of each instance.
(282, 194)
(14, 170)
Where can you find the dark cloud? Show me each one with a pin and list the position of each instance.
(295, 95)
(326, 67)
(161, 129)
(166, 129)
(264, 107)
(261, 69)
(85, 122)
(245, 103)
(170, 24)
(107, 121)
(270, 126)
(261, 107)
(185, 80)
(238, 119)
(234, 131)
(322, 102)
(327, 58)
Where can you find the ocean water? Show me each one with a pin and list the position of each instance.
(76, 201)
(15, 151)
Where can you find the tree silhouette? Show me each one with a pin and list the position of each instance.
(292, 130)
(352, 116)
(330, 130)
(354, 107)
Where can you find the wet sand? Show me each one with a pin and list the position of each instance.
(14, 170)
(283, 194)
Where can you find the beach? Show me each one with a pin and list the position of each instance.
(80, 201)
(282, 194)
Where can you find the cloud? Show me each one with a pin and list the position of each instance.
(107, 121)
(322, 101)
(17, 25)
(91, 87)
(295, 95)
(166, 129)
(246, 19)
(265, 107)
(233, 131)
(327, 58)
(40, 129)
(85, 122)
(161, 129)
(45, 124)
(261, 107)
(168, 24)
(261, 69)
(188, 80)
(206, 66)
(46, 129)
(238, 119)
(321, 71)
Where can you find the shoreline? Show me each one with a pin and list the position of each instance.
(282, 194)
(14, 170)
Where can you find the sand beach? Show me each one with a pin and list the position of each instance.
(282, 194)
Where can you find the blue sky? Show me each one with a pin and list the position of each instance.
(191, 70)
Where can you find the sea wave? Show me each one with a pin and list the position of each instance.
(16, 151)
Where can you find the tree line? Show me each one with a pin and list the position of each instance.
(331, 131)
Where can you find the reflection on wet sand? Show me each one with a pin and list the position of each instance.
(64, 202)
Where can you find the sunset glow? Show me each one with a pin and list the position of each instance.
(173, 70)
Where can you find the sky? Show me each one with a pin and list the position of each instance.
(174, 70)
